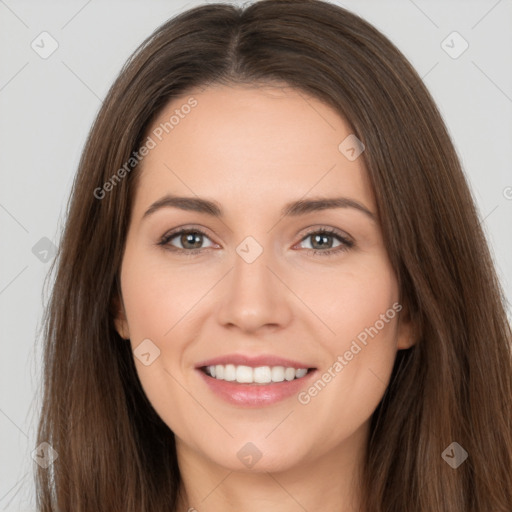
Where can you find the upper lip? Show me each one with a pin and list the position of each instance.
(253, 361)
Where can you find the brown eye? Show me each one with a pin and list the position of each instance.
(188, 240)
(191, 240)
(323, 240)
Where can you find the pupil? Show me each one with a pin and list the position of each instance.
(322, 239)
(189, 238)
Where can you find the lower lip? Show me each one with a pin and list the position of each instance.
(255, 395)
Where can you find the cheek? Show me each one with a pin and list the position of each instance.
(348, 300)
(158, 304)
(361, 310)
(156, 300)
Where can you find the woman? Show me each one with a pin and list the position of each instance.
(334, 338)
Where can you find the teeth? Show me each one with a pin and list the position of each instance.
(230, 372)
(244, 374)
(289, 373)
(300, 372)
(260, 375)
(277, 373)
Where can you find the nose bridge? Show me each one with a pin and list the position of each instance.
(254, 296)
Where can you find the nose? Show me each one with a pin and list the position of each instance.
(256, 295)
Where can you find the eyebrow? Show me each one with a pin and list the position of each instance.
(292, 209)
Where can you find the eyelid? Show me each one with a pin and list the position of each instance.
(169, 235)
(346, 241)
(328, 230)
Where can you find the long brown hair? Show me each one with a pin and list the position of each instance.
(453, 385)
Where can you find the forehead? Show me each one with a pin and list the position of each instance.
(246, 144)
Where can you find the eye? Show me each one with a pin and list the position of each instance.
(322, 241)
(189, 240)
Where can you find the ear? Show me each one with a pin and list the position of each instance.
(119, 316)
(406, 330)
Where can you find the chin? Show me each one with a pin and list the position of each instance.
(255, 457)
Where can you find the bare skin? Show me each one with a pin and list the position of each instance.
(253, 150)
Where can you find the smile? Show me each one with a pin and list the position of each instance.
(248, 375)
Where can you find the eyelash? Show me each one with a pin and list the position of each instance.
(346, 244)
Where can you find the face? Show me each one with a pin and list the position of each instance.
(264, 276)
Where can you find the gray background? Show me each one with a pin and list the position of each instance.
(47, 107)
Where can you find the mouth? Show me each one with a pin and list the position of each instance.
(260, 375)
(250, 380)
